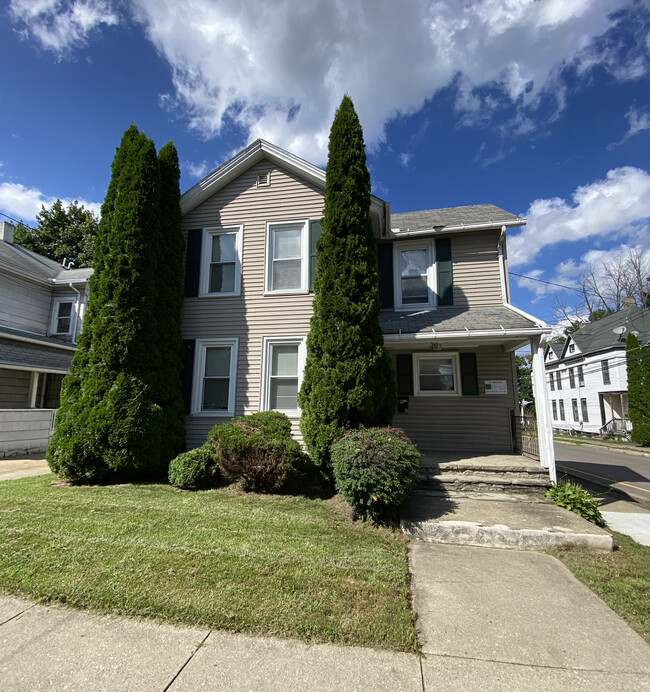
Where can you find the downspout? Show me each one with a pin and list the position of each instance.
(76, 313)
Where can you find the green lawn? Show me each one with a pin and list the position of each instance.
(269, 565)
(621, 578)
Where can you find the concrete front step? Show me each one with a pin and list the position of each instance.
(490, 483)
(497, 496)
(515, 525)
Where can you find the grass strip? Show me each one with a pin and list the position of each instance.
(286, 566)
(621, 578)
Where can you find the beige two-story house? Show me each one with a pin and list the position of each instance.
(251, 228)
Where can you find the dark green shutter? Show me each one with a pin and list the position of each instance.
(189, 346)
(444, 271)
(314, 234)
(193, 262)
(468, 374)
(404, 368)
(385, 266)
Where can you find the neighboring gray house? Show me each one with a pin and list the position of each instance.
(587, 374)
(251, 228)
(41, 310)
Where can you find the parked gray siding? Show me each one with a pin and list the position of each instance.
(25, 304)
(478, 424)
(251, 316)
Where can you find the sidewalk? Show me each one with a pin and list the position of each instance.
(489, 619)
(20, 467)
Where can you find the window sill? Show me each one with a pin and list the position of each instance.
(437, 394)
(296, 292)
(219, 295)
(212, 414)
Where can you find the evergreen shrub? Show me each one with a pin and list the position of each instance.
(196, 469)
(374, 469)
(574, 497)
(259, 450)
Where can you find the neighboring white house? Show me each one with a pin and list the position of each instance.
(587, 374)
(41, 310)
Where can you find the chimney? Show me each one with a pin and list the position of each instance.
(6, 231)
(629, 302)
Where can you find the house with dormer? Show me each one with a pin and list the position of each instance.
(251, 229)
(41, 314)
(587, 374)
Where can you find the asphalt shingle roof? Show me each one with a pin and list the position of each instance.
(451, 216)
(453, 320)
(30, 263)
(600, 335)
(27, 355)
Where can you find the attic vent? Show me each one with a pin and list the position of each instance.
(264, 179)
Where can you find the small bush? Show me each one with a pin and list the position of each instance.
(374, 469)
(574, 497)
(259, 450)
(196, 469)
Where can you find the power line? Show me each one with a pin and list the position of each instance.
(542, 281)
(11, 218)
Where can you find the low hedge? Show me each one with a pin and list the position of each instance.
(196, 469)
(374, 469)
(258, 449)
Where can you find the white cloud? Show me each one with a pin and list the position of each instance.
(278, 70)
(638, 121)
(618, 206)
(24, 203)
(197, 170)
(405, 159)
(59, 26)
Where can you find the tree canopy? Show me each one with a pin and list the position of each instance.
(348, 380)
(62, 233)
(638, 388)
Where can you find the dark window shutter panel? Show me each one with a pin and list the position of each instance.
(404, 368)
(193, 262)
(189, 346)
(385, 266)
(444, 271)
(315, 232)
(468, 374)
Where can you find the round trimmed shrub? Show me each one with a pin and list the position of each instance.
(374, 469)
(259, 450)
(195, 470)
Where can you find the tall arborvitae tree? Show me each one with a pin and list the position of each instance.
(110, 424)
(638, 389)
(170, 304)
(348, 379)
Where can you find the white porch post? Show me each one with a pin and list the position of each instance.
(543, 409)
(33, 388)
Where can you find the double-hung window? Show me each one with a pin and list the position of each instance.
(414, 264)
(605, 369)
(284, 361)
(574, 406)
(554, 403)
(558, 377)
(572, 379)
(287, 249)
(436, 375)
(585, 410)
(561, 402)
(62, 313)
(215, 369)
(551, 381)
(581, 376)
(221, 261)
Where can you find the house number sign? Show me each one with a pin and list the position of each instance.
(496, 387)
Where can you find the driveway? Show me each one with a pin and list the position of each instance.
(32, 465)
(628, 473)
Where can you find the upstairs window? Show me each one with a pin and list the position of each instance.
(604, 364)
(62, 313)
(558, 377)
(291, 256)
(221, 261)
(551, 381)
(581, 376)
(414, 263)
(572, 378)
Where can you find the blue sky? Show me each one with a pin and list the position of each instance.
(540, 107)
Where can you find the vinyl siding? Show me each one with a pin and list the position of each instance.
(25, 304)
(14, 388)
(477, 280)
(478, 424)
(251, 316)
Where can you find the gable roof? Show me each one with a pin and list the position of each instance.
(20, 260)
(257, 151)
(475, 216)
(599, 335)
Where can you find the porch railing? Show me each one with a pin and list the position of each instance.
(617, 427)
(525, 437)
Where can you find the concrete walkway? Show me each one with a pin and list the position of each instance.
(20, 467)
(488, 619)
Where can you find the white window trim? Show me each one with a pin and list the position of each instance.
(55, 312)
(429, 245)
(206, 256)
(265, 390)
(303, 224)
(416, 373)
(199, 369)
